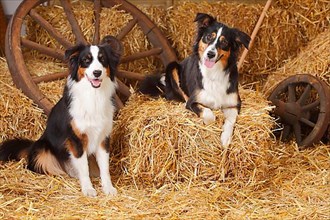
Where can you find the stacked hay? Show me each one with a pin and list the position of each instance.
(162, 142)
(286, 28)
(312, 16)
(313, 59)
(20, 117)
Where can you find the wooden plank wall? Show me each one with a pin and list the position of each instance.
(168, 3)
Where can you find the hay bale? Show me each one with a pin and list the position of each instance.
(313, 59)
(20, 117)
(312, 16)
(162, 142)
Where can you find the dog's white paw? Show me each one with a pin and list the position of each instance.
(225, 139)
(109, 190)
(91, 192)
(208, 116)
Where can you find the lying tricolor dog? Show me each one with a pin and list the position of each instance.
(80, 124)
(207, 79)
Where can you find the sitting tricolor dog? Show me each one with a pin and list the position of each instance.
(207, 79)
(80, 124)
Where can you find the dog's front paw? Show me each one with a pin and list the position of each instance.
(91, 192)
(225, 139)
(208, 116)
(109, 190)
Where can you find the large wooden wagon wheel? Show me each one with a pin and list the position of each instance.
(16, 44)
(303, 108)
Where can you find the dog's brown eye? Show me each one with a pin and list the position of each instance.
(208, 37)
(86, 60)
(224, 43)
(101, 57)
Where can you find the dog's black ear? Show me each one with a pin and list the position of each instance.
(71, 55)
(204, 20)
(115, 44)
(242, 38)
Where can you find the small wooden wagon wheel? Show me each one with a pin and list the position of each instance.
(16, 44)
(303, 108)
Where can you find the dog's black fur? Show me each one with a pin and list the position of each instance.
(80, 123)
(208, 78)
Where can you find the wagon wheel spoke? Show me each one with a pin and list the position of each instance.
(143, 54)
(55, 53)
(291, 93)
(297, 132)
(119, 103)
(50, 77)
(123, 89)
(286, 132)
(311, 106)
(73, 21)
(130, 75)
(303, 98)
(307, 122)
(124, 31)
(49, 28)
(97, 12)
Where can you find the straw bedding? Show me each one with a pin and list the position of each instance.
(294, 184)
(166, 164)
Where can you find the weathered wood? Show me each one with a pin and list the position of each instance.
(97, 11)
(119, 103)
(130, 75)
(50, 77)
(49, 28)
(125, 30)
(73, 22)
(55, 53)
(123, 89)
(143, 54)
(17, 64)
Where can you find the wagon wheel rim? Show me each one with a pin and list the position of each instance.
(297, 100)
(15, 41)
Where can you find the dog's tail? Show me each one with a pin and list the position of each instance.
(39, 158)
(153, 85)
(15, 149)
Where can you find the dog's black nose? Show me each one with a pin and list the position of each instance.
(210, 54)
(97, 73)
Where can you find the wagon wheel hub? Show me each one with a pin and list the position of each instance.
(302, 105)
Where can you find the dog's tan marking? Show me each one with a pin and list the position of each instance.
(201, 48)
(81, 72)
(46, 163)
(82, 137)
(106, 144)
(175, 76)
(108, 71)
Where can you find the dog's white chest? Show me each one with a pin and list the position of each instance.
(92, 112)
(214, 93)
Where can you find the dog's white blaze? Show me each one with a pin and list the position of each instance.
(95, 64)
(212, 47)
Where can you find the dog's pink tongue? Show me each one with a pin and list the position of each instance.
(209, 63)
(96, 82)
